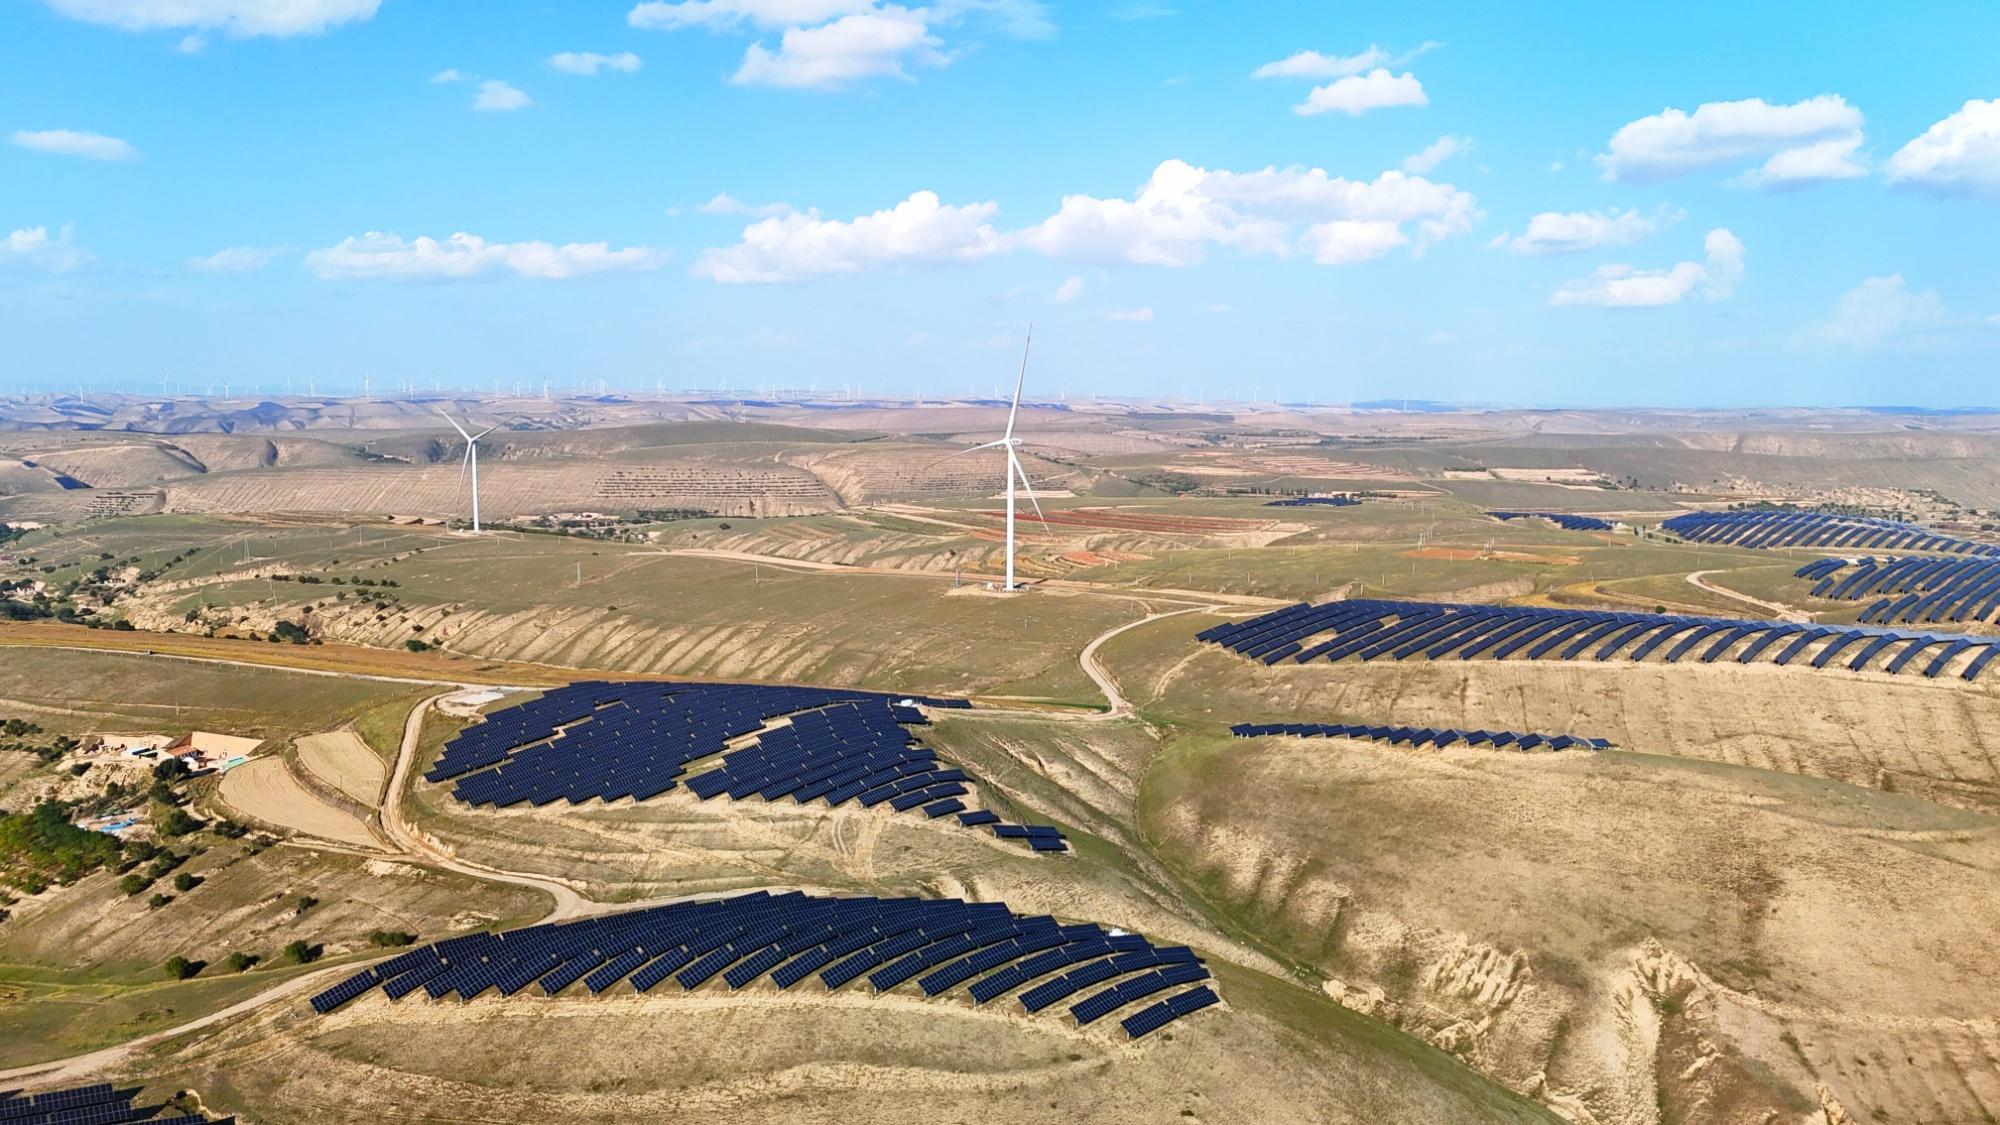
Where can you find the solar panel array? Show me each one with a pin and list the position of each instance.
(1911, 588)
(1314, 502)
(88, 1105)
(1368, 628)
(939, 944)
(1423, 736)
(1566, 520)
(612, 740)
(1769, 528)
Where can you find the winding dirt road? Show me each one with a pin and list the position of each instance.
(1699, 580)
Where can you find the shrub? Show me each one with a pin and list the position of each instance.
(306, 902)
(180, 968)
(177, 822)
(239, 961)
(391, 938)
(185, 882)
(300, 953)
(158, 900)
(134, 883)
(415, 645)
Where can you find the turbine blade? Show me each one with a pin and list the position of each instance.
(455, 425)
(485, 431)
(1020, 379)
(1014, 463)
(465, 462)
(963, 452)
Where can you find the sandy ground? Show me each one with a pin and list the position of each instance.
(345, 762)
(265, 790)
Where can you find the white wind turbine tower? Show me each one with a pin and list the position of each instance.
(471, 462)
(1015, 472)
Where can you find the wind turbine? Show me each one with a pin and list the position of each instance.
(1012, 444)
(471, 462)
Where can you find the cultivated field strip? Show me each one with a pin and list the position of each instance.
(1367, 629)
(610, 741)
(941, 944)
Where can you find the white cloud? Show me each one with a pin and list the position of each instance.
(1346, 241)
(1572, 232)
(920, 230)
(1806, 142)
(1130, 316)
(238, 259)
(1312, 64)
(1436, 153)
(588, 63)
(498, 96)
(191, 45)
(1958, 155)
(1069, 290)
(69, 142)
(462, 256)
(34, 248)
(1357, 94)
(1182, 209)
(449, 75)
(1623, 287)
(829, 44)
(727, 204)
(239, 18)
(1878, 312)
(722, 15)
(867, 45)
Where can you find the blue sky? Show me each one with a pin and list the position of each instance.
(1690, 204)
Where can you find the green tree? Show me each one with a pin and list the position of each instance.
(180, 968)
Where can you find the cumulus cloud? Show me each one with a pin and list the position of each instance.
(191, 45)
(588, 63)
(388, 256)
(1069, 290)
(868, 45)
(1312, 64)
(1130, 316)
(1435, 153)
(239, 18)
(1357, 94)
(496, 96)
(238, 259)
(918, 231)
(1181, 210)
(1959, 155)
(727, 204)
(831, 44)
(35, 248)
(722, 15)
(449, 75)
(1622, 287)
(1806, 142)
(1879, 312)
(1572, 232)
(70, 142)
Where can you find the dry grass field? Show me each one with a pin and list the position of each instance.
(1770, 904)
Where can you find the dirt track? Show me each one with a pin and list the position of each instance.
(265, 790)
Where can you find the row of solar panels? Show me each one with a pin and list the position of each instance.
(611, 741)
(1932, 589)
(1568, 521)
(1370, 628)
(1423, 736)
(1314, 502)
(101, 1104)
(941, 944)
(1816, 529)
